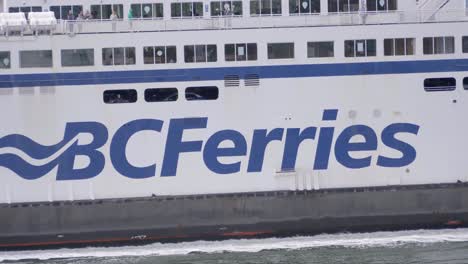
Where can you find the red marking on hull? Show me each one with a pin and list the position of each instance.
(90, 241)
(251, 233)
(454, 223)
(126, 239)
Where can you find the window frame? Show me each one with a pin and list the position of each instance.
(90, 57)
(124, 56)
(133, 96)
(248, 55)
(166, 57)
(181, 6)
(296, 8)
(259, 11)
(2, 63)
(393, 46)
(271, 46)
(48, 65)
(120, 11)
(318, 52)
(170, 90)
(441, 88)
(155, 7)
(355, 48)
(200, 98)
(206, 52)
(434, 41)
(387, 8)
(231, 13)
(351, 7)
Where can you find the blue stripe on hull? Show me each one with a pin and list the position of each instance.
(207, 74)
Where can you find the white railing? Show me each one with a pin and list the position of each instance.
(76, 27)
(368, 18)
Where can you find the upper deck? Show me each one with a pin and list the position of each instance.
(85, 16)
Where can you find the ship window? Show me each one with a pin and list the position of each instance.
(240, 52)
(161, 95)
(280, 50)
(35, 58)
(399, 46)
(343, 6)
(5, 61)
(381, 5)
(438, 45)
(187, 9)
(226, 8)
(25, 9)
(159, 54)
(360, 48)
(120, 96)
(105, 11)
(439, 84)
(118, 56)
(465, 44)
(265, 7)
(200, 53)
(304, 6)
(61, 12)
(147, 10)
(465, 83)
(320, 49)
(77, 57)
(201, 93)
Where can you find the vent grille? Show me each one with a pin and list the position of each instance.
(252, 80)
(231, 81)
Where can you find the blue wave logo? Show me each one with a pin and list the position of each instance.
(32, 149)
(31, 160)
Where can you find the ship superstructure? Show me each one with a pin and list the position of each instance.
(153, 120)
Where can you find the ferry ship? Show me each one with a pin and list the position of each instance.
(140, 121)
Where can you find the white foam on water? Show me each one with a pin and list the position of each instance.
(358, 240)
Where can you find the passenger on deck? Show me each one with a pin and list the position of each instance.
(81, 16)
(87, 15)
(130, 14)
(70, 15)
(113, 16)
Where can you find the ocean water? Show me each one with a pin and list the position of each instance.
(419, 246)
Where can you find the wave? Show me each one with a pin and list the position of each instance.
(359, 240)
(29, 159)
(30, 147)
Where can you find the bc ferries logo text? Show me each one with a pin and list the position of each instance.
(62, 155)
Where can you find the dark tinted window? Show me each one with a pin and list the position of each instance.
(201, 93)
(77, 57)
(161, 95)
(465, 83)
(200, 53)
(118, 56)
(35, 58)
(438, 45)
(240, 52)
(465, 44)
(280, 50)
(320, 49)
(439, 84)
(5, 61)
(120, 96)
(360, 48)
